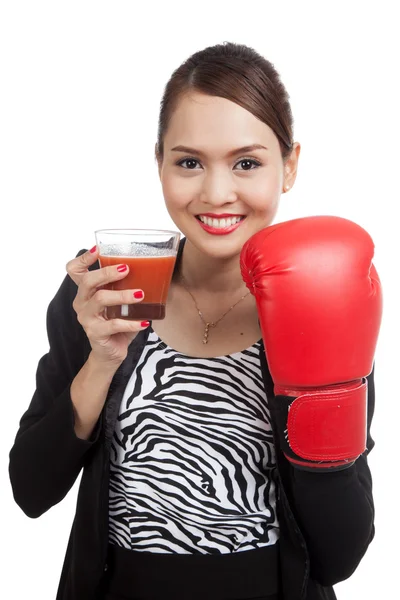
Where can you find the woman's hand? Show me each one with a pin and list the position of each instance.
(109, 339)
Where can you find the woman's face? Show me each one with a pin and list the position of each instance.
(220, 159)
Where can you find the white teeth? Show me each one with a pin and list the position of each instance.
(220, 223)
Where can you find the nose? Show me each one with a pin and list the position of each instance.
(218, 188)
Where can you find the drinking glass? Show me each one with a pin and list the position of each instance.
(150, 255)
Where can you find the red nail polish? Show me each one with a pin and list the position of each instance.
(138, 294)
(122, 268)
(93, 250)
(145, 323)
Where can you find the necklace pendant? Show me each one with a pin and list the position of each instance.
(205, 338)
(213, 323)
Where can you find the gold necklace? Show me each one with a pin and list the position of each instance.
(207, 323)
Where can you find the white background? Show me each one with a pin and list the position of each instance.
(80, 89)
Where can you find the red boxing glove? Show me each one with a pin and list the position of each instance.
(319, 304)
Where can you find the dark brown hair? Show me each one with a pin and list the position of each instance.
(237, 73)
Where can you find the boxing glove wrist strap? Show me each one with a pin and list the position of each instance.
(323, 428)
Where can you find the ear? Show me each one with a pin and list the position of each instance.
(291, 165)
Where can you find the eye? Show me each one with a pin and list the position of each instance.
(190, 163)
(248, 164)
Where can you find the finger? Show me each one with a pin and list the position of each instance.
(100, 330)
(91, 281)
(79, 266)
(94, 307)
(103, 298)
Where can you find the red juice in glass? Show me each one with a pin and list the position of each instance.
(152, 274)
(150, 255)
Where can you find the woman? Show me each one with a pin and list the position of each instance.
(175, 501)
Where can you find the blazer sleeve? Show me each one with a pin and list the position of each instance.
(335, 512)
(47, 456)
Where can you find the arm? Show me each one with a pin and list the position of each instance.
(63, 423)
(47, 454)
(319, 302)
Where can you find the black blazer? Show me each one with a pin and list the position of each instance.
(326, 519)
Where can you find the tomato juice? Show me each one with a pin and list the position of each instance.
(152, 274)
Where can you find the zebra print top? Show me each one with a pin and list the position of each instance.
(192, 456)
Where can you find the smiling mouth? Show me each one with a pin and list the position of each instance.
(220, 223)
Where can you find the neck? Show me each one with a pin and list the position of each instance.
(217, 275)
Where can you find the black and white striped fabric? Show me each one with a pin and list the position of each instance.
(192, 457)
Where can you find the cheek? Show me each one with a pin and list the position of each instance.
(178, 191)
(263, 195)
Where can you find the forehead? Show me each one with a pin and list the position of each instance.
(214, 121)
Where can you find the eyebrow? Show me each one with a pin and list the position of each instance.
(242, 150)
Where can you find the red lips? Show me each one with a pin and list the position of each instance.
(220, 230)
